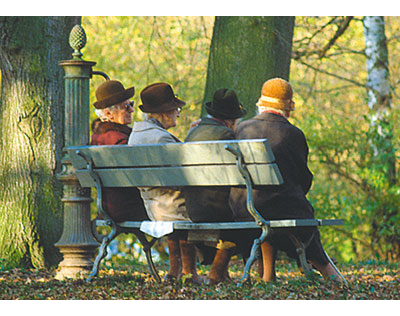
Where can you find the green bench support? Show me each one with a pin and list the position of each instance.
(214, 163)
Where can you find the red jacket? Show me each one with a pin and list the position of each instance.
(122, 204)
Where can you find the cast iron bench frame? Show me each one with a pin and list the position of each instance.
(250, 162)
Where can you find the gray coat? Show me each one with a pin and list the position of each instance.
(162, 204)
(150, 132)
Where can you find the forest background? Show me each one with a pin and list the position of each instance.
(350, 181)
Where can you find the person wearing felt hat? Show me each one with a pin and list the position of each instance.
(286, 201)
(162, 108)
(114, 110)
(210, 204)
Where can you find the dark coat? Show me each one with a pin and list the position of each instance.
(122, 204)
(209, 204)
(290, 149)
(288, 200)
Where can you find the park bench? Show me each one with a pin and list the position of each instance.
(213, 163)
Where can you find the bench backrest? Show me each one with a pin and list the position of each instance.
(179, 164)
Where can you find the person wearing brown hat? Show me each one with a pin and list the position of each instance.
(288, 200)
(210, 204)
(114, 109)
(162, 108)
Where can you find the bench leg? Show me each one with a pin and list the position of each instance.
(253, 255)
(102, 253)
(147, 250)
(303, 261)
(151, 265)
(301, 251)
(336, 269)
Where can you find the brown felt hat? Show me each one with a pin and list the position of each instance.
(112, 92)
(159, 98)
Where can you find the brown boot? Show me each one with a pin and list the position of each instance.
(220, 264)
(269, 257)
(189, 258)
(175, 263)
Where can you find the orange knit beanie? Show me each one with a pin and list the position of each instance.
(277, 93)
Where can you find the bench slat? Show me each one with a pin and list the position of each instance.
(216, 175)
(192, 153)
(237, 225)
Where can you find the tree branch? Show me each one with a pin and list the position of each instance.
(331, 74)
(341, 29)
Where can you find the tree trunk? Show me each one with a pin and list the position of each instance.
(378, 83)
(381, 131)
(245, 52)
(31, 132)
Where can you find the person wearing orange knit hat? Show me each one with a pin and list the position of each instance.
(286, 201)
(276, 96)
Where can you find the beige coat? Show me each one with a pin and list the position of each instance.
(162, 204)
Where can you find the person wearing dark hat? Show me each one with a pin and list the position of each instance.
(288, 200)
(211, 204)
(162, 108)
(114, 109)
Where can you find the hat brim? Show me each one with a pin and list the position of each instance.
(166, 107)
(277, 105)
(115, 99)
(225, 116)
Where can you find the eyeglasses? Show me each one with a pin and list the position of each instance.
(131, 103)
(128, 105)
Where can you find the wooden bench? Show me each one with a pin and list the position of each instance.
(214, 163)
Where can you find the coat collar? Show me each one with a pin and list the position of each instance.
(99, 127)
(148, 125)
(271, 117)
(211, 121)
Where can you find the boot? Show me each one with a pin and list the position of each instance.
(175, 263)
(269, 257)
(189, 259)
(219, 268)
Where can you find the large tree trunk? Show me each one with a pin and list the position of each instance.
(247, 51)
(31, 133)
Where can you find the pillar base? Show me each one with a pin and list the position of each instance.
(77, 263)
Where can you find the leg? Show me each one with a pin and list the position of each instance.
(268, 259)
(175, 264)
(189, 257)
(219, 268)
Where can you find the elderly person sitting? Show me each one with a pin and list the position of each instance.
(162, 109)
(211, 204)
(288, 200)
(114, 110)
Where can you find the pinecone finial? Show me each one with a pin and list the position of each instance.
(77, 40)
